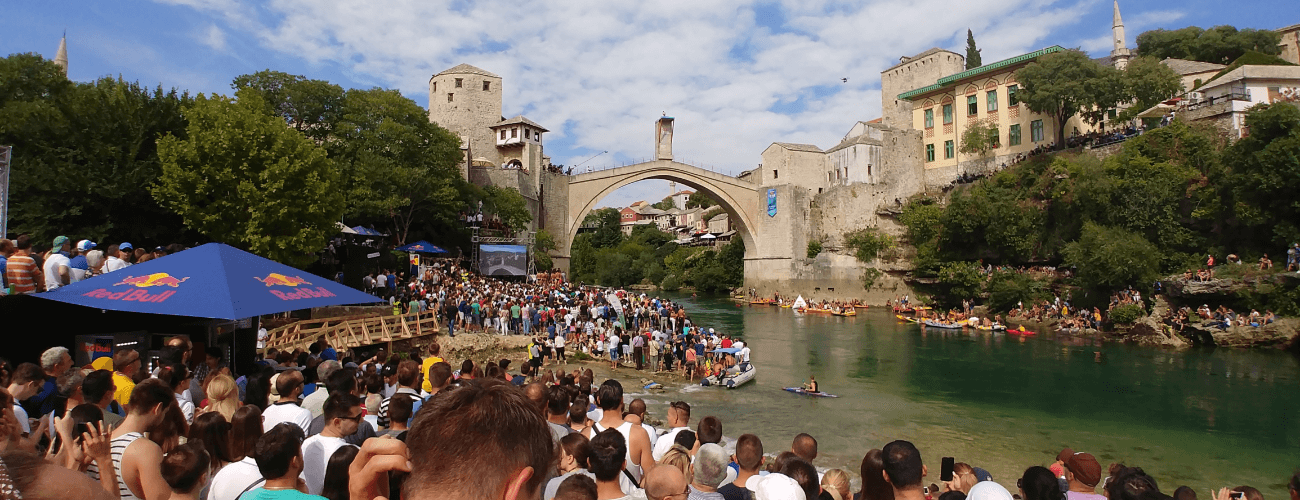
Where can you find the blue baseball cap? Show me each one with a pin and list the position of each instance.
(125, 246)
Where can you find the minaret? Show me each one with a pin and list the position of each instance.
(1120, 56)
(61, 57)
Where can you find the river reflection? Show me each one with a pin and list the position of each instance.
(1204, 418)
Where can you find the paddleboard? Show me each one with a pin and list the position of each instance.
(800, 391)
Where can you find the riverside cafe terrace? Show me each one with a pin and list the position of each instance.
(213, 293)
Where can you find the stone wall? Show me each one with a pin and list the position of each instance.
(916, 72)
(471, 110)
(902, 165)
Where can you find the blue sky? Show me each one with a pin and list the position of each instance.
(737, 74)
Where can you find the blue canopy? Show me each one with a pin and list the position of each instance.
(210, 281)
(422, 247)
(365, 231)
(726, 350)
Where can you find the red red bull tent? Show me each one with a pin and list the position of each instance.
(210, 281)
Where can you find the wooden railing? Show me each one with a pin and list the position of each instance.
(352, 331)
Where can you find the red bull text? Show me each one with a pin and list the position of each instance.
(303, 293)
(280, 279)
(138, 295)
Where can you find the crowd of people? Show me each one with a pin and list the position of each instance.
(29, 269)
(414, 428)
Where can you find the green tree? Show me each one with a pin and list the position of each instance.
(922, 218)
(732, 258)
(582, 261)
(396, 165)
(963, 279)
(1148, 82)
(609, 230)
(1109, 258)
(665, 204)
(1265, 168)
(508, 206)
(313, 107)
(85, 154)
(1063, 84)
(972, 54)
(1219, 45)
(543, 243)
(700, 200)
(979, 138)
(243, 178)
(1007, 288)
(867, 243)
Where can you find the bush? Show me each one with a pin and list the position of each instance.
(963, 279)
(870, 276)
(1126, 314)
(866, 243)
(814, 248)
(671, 283)
(1009, 287)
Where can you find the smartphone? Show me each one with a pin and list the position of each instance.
(1239, 495)
(946, 471)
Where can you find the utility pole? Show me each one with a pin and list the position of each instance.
(5, 156)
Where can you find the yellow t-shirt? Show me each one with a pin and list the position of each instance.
(124, 387)
(428, 364)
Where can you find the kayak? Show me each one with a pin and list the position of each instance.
(905, 318)
(1026, 333)
(787, 306)
(761, 302)
(847, 312)
(994, 328)
(950, 326)
(800, 391)
(860, 306)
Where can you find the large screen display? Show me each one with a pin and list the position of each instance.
(503, 260)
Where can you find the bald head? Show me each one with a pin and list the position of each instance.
(537, 393)
(804, 446)
(637, 407)
(661, 482)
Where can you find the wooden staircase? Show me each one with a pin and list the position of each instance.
(352, 331)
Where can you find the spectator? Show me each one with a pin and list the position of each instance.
(186, 471)
(408, 380)
(679, 419)
(280, 460)
(24, 383)
(574, 451)
(242, 474)
(315, 402)
(336, 473)
(749, 458)
(1038, 483)
(289, 385)
(636, 411)
(127, 363)
(874, 484)
(610, 400)
(223, 396)
(903, 470)
(709, 471)
(212, 432)
(577, 488)
(805, 446)
(1083, 472)
(55, 361)
(79, 266)
(776, 486)
(7, 249)
(481, 440)
(56, 270)
(342, 415)
(138, 461)
(97, 389)
(177, 377)
(803, 472)
(836, 483)
(21, 271)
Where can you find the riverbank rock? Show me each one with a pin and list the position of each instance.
(1179, 287)
(1278, 334)
(478, 346)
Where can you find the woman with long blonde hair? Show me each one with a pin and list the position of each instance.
(223, 396)
(680, 457)
(836, 482)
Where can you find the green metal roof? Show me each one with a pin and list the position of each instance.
(945, 81)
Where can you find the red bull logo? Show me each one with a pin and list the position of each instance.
(277, 279)
(139, 282)
(282, 280)
(155, 279)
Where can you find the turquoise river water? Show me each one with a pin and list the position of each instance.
(1205, 418)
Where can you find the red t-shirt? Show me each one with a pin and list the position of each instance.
(21, 273)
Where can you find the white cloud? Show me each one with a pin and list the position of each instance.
(214, 38)
(599, 73)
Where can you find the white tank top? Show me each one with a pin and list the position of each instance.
(626, 431)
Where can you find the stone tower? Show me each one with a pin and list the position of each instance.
(1121, 54)
(467, 101)
(61, 57)
(912, 73)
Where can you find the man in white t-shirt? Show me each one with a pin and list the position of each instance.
(113, 258)
(56, 269)
(289, 385)
(679, 419)
(343, 414)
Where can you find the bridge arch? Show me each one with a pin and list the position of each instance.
(738, 197)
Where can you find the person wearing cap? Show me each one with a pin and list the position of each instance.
(56, 269)
(1083, 472)
(775, 486)
(116, 257)
(79, 267)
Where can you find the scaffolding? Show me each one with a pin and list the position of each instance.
(526, 239)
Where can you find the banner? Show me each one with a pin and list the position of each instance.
(503, 260)
(771, 202)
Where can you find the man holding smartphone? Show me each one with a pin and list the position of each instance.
(1083, 472)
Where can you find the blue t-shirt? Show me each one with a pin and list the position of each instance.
(329, 354)
(265, 494)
